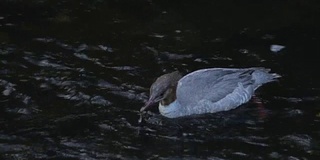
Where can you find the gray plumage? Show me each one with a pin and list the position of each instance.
(213, 90)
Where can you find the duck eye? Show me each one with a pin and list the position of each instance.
(162, 94)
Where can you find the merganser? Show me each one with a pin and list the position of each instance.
(206, 90)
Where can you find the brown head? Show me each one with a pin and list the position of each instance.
(163, 90)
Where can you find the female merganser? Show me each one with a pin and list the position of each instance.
(206, 90)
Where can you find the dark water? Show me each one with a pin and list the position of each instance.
(74, 74)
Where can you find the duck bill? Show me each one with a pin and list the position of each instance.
(147, 105)
(152, 100)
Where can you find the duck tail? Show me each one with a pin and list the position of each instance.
(275, 76)
(262, 75)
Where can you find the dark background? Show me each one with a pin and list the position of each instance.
(74, 74)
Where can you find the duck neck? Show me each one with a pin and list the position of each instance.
(169, 96)
(172, 110)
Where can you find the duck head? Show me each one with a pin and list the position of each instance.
(163, 90)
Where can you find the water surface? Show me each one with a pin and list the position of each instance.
(74, 74)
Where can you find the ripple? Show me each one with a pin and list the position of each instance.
(27, 104)
(45, 63)
(12, 147)
(73, 117)
(240, 154)
(76, 48)
(130, 95)
(124, 68)
(156, 35)
(105, 48)
(175, 56)
(99, 100)
(8, 87)
(300, 99)
(83, 98)
(83, 56)
(86, 57)
(45, 40)
(300, 141)
(107, 127)
(106, 85)
(9, 49)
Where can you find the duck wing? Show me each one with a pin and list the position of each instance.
(211, 84)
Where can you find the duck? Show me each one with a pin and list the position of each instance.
(207, 90)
